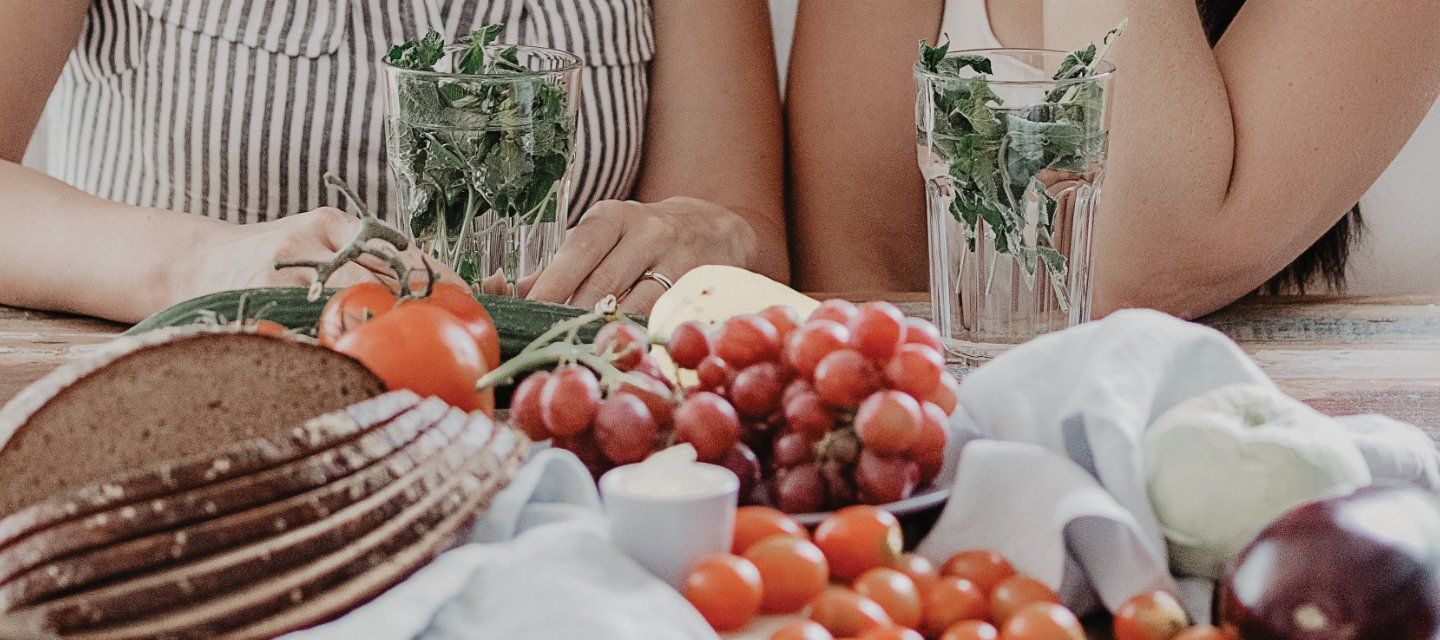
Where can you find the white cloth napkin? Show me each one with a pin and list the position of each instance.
(539, 566)
(1056, 481)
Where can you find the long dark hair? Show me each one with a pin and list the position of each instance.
(1324, 262)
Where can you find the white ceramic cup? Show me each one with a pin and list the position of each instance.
(668, 535)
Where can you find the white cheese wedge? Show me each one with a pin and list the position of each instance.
(1222, 465)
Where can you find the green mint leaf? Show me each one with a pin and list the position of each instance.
(930, 57)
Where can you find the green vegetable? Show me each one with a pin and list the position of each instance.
(518, 321)
(476, 154)
(998, 155)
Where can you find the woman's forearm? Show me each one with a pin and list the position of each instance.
(66, 250)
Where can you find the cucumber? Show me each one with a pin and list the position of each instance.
(518, 321)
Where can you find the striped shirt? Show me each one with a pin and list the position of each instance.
(234, 109)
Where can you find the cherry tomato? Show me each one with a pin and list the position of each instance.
(888, 422)
(1206, 632)
(946, 394)
(756, 523)
(875, 331)
(1150, 616)
(626, 341)
(478, 323)
(792, 572)
(709, 423)
(971, 630)
(808, 345)
(917, 568)
(982, 567)
(802, 630)
(891, 632)
(837, 310)
(525, 406)
(1043, 621)
(858, 538)
(948, 600)
(1015, 593)
(783, 318)
(351, 307)
(569, 400)
(915, 369)
(689, 344)
(845, 378)
(746, 340)
(725, 589)
(895, 592)
(846, 613)
(421, 348)
(921, 331)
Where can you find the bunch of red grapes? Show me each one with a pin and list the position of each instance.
(848, 406)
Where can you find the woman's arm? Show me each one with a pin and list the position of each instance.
(1225, 166)
(856, 197)
(709, 188)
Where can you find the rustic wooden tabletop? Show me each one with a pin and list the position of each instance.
(1342, 355)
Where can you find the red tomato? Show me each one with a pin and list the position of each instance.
(421, 348)
(756, 523)
(725, 589)
(971, 630)
(893, 591)
(1043, 621)
(982, 567)
(846, 613)
(1206, 632)
(478, 323)
(859, 538)
(802, 630)
(948, 600)
(891, 632)
(350, 307)
(792, 572)
(1016, 593)
(1150, 616)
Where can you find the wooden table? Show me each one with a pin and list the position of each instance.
(1340, 354)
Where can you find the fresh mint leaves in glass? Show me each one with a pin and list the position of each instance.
(1012, 144)
(481, 136)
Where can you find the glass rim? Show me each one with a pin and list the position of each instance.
(571, 62)
(1104, 70)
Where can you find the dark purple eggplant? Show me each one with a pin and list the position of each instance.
(1360, 567)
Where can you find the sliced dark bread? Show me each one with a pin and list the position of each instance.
(210, 501)
(157, 551)
(169, 395)
(240, 568)
(340, 581)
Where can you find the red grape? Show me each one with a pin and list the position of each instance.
(946, 394)
(783, 318)
(689, 344)
(742, 462)
(800, 490)
(747, 340)
(794, 449)
(929, 448)
(841, 311)
(714, 373)
(920, 331)
(584, 446)
(625, 340)
(624, 429)
(915, 369)
(796, 387)
(839, 487)
(757, 389)
(808, 415)
(888, 422)
(648, 368)
(875, 332)
(812, 342)
(654, 393)
(569, 400)
(525, 406)
(881, 479)
(708, 422)
(844, 378)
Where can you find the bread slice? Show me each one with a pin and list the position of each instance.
(338, 582)
(121, 523)
(158, 550)
(236, 569)
(166, 395)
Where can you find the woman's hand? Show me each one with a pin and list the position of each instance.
(227, 256)
(616, 242)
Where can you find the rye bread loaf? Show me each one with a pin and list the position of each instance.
(169, 395)
(240, 568)
(319, 591)
(159, 550)
(206, 502)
